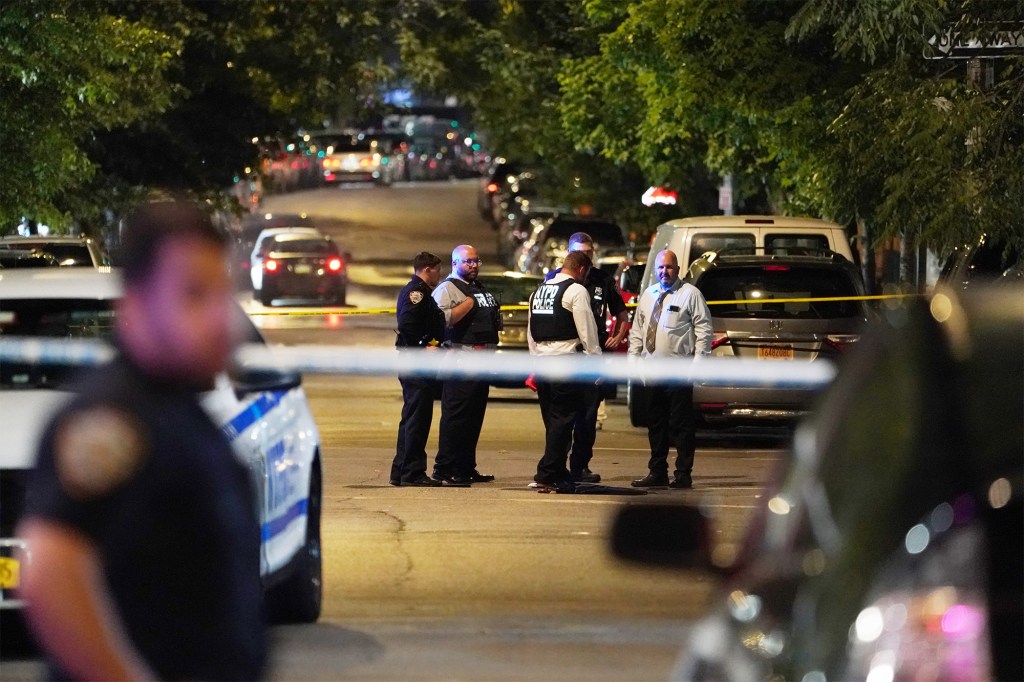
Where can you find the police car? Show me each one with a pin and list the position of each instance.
(264, 413)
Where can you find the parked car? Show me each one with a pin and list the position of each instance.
(264, 413)
(511, 289)
(346, 157)
(68, 250)
(888, 546)
(759, 311)
(548, 242)
(501, 172)
(518, 223)
(301, 263)
(985, 260)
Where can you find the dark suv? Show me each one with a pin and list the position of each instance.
(797, 308)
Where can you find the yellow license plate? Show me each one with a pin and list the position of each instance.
(10, 573)
(775, 352)
(303, 269)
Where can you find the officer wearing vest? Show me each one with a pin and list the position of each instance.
(472, 322)
(605, 301)
(561, 322)
(420, 327)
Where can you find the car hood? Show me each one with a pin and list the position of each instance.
(23, 415)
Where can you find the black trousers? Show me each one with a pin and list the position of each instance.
(584, 430)
(417, 412)
(463, 404)
(561, 404)
(670, 421)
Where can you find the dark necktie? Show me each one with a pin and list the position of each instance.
(652, 324)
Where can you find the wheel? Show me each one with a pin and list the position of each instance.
(266, 296)
(299, 597)
(636, 399)
(339, 297)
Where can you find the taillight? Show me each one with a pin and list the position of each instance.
(270, 265)
(776, 268)
(841, 342)
(492, 188)
(334, 265)
(721, 338)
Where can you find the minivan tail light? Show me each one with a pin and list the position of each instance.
(270, 265)
(841, 342)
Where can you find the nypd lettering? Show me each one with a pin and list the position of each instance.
(543, 302)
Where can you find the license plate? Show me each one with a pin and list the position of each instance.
(350, 163)
(10, 573)
(302, 269)
(775, 352)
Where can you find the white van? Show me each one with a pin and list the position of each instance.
(691, 237)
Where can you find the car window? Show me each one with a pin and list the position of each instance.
(701, 243)
(304, 245)
(751, 290)
(511, 290)
(795, 244)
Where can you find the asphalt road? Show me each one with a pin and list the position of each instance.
(493, 582)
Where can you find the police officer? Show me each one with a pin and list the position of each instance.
(605, 301)
(672, 320)
(420, 326)
(472, 320)
(145, 547)
(561, 322)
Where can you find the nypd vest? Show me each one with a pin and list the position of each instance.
(482, 323)
(549, 320)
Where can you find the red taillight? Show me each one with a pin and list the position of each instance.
(841, 342)
(776, 268)
(270, 265)
(334, 265)
(492, 188)
(721, 338)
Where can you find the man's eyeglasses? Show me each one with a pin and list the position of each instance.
(472, 261)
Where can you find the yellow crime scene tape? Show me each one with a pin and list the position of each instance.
(744, 301)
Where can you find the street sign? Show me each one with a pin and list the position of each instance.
(1007, 39)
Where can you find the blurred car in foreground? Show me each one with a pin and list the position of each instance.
(983, 261)
(889, 545)
(298, 263)
(264, 413)
(69, 251)
(760, 310)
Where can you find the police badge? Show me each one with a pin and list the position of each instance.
(415, 297)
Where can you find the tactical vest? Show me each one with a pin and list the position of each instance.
(549, 320)
(482, 323)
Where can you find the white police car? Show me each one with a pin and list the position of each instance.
(264, 413)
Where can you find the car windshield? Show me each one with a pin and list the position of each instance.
(510, 290)
(752, 291)
(320, 246)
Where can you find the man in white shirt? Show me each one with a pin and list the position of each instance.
(561, 322)
(672, 320)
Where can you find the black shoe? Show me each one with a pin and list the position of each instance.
(586, 476)
(475, 476)
(453, 479)
(681, 482)
(395, 482)
(422, 481)
(651, 481)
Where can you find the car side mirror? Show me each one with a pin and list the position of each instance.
(258, 379)
(629, 280)
(663, 535)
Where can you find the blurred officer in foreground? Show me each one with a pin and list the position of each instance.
(420, 326)
(143, 541)
(672, 320)
(561, 322)
(605, 301)
(473, 319)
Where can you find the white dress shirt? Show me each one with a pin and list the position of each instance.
(685, 325)
(577, 301)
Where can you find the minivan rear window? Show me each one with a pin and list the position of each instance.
(701, 243)
(795, 244)
(750, 290)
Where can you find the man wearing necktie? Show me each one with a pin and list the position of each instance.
(672, 320)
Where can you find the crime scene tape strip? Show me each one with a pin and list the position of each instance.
(483, 365)
(391, 311)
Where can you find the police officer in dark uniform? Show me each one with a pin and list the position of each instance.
(472, 321)
(141, 521)
(420, 326)
(604, 301)
(561, 323)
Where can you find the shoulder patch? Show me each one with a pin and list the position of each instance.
(96, 450)
(415, 297)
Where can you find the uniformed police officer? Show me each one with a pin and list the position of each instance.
(420, 326)
(672, 320)
(605, 301)
(472, 320)
(561, 322)
(145, 547)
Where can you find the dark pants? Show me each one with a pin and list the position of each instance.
(670, 421)
(463, 404)
(584, 430)
(560, 407)
(414, 428)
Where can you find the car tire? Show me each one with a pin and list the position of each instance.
(340, 296)
(299, 597)
(266, 296)
(636, 400)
